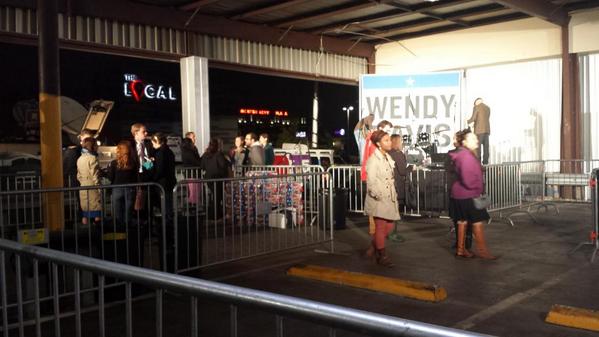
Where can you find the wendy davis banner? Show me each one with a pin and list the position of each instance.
(417, 104)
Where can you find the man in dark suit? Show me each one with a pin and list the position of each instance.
(141, 152)
(482, 128)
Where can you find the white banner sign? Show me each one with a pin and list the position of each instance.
(423, 106)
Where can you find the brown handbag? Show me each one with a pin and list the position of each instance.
(139, 199)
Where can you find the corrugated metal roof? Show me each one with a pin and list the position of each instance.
(357, 19)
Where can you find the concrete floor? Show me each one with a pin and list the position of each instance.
(507, 297)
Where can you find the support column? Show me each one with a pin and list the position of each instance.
(195, 99)
(49, 105)
(371, 67)
(314, 142)
(571, 131)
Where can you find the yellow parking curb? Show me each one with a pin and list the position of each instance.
(410, 289)
(573, 317)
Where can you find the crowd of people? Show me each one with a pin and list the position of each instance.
(140, 159)
(384, 170)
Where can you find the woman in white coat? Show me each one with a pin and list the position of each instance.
(381, 199)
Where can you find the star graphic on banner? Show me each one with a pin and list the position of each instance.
(410, 81)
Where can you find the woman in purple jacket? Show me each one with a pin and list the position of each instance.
(469, 185)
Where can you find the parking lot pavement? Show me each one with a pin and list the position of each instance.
(507, 297)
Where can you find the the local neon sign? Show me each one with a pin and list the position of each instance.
(263, 112)
(136, 88)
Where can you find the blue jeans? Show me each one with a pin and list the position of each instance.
(122, 199)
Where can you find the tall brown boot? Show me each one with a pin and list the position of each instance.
(461, 250)
(481, 244)
(383, 259)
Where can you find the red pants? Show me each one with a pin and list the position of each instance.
(383, 228)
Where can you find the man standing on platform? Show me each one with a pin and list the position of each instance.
(480, 119)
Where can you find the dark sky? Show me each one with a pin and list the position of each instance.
(89, 76)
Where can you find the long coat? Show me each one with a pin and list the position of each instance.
(88, 174)
(381, 198)
(164, 168)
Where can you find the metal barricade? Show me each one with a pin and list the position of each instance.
(242, 171)
(532, 181)
(116, 229)
(348, 177)
(567, 180)
(593, 235)
(502, 185)
(426, 193)
(220, 220)
(189, 172)
(68, 307)
(20, 181)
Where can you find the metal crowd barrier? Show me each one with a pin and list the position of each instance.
(426, 193)
(502, 185)
(121, 234)
(569, 179)
(20, 181)
(242, 171)
(593, 235)
(189, 172)
(348, 177)
(219, 220)
(56, 312)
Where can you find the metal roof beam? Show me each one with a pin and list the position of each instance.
(267, 9)
(452, 17)
(400, 11)
(454, 27)
(130, 12)
(323, 13)
(197, 4)
(539, 8)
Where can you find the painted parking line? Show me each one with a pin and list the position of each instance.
(573, 317)
(471, 321)
(410, 289)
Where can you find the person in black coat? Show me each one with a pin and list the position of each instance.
(163, 171)
(189, 153)
(215, 166)
(401, 169)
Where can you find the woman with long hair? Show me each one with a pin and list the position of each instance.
(122, 171)
(467, 186)
(381, 197)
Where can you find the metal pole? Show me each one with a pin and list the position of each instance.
(49, 106)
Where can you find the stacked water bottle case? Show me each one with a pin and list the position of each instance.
(265, 200)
